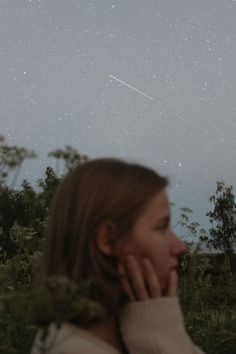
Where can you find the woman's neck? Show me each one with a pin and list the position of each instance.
(108, 331)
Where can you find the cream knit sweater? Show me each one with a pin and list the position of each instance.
(153, 326)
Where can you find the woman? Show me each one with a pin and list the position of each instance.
(110, 282)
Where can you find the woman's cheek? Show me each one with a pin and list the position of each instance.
(165, 281)
(161, 272)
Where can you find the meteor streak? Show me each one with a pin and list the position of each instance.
(133, 88)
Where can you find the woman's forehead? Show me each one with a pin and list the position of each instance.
(158, 208)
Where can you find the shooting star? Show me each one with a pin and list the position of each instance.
(133, 88)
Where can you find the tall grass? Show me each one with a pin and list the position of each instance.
(209, 304)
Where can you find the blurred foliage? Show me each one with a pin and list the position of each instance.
(207, 290)
(11, 158)
(222, 234)
(70, 158)
(207, 284)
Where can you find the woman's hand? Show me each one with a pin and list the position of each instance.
(140, 282)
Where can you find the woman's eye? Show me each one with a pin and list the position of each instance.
(165, 230)
(162, 229)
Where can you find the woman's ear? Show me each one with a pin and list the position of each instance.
(106, 234)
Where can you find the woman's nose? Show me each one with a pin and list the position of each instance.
(178, 246)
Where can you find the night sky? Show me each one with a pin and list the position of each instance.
(150, 81)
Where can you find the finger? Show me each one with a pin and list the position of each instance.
(135, 276)
(151, 279)
(125, 283)
(173, 284)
